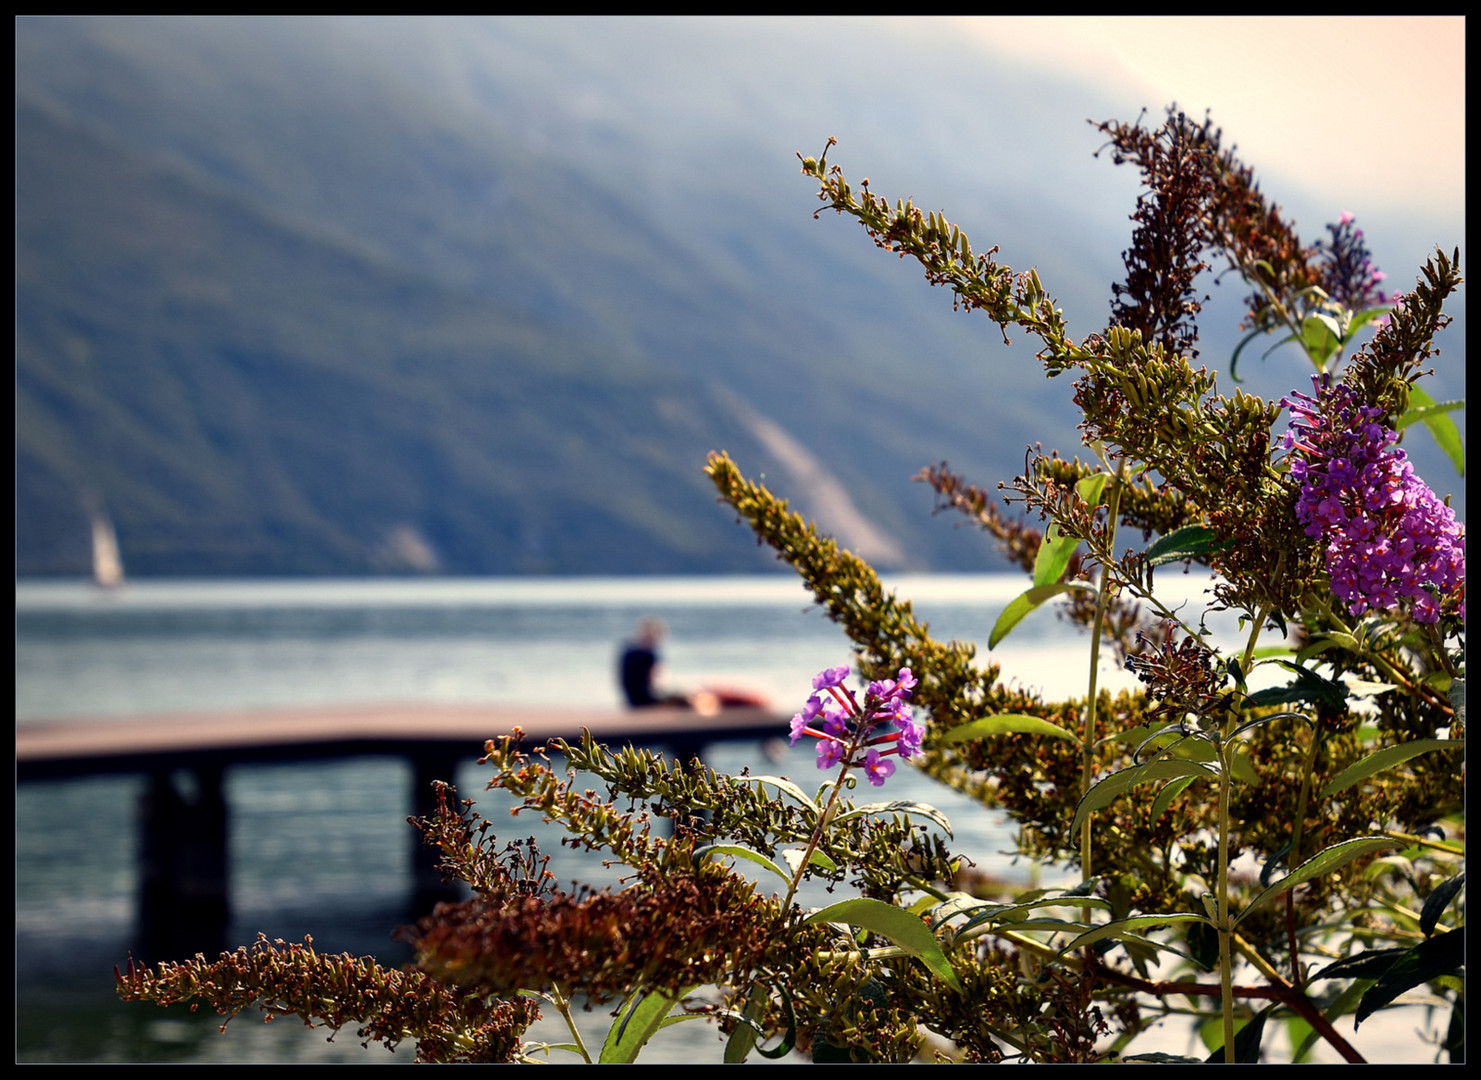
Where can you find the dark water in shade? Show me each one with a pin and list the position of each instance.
(324, 849)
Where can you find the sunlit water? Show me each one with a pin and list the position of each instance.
(324, 848)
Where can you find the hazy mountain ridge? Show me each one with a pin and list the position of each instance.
(288, 290)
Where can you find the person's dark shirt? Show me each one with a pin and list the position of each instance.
(638, 663)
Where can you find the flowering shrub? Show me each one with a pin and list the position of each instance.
(1248, 858)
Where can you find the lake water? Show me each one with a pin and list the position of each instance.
(323, 849)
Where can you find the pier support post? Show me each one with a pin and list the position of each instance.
(184, 885)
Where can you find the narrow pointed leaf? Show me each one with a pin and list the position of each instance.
(1054, 556)
(1437, 901)
(631, 1032)
(1323, 862)
(1429, 959)
(1013, 913)
(1169, 792)
(1004, 724)
(742, 852)
(919, 809)
(1447, 435)
(781, 783)
(1386, 758)
(1016, 611)
(1246, 1040)
(1369, 964)
(904, 928)
(793, 858)
(1118, 783)
(1091, 487)
(1128, 928)
(1191, 542)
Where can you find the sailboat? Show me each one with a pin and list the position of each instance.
(107, 564)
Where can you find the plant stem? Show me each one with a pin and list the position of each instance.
(563, 1006)
(1226, 963)
(1087, 762)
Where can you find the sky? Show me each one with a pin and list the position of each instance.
(1374, 107)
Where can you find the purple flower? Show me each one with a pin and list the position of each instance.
(800, 721)
(1348, 274)
(911, 734)
(1387, 537)
(830, 677)
(846, 733)
(830, 753)
(835, 723)
(877, 768)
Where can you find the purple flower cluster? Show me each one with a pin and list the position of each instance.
(1348, 273)
(846, 730)
(1388, 537)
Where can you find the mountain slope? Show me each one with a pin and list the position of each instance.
(477, 296)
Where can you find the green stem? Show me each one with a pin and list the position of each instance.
(1087, 760)
(1456, 849)
(817, 833)
(1226, 963)
(1293, 857)
(563, 1006)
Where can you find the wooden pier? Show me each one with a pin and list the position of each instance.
(185, 876)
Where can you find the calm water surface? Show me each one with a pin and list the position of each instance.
(324, 848)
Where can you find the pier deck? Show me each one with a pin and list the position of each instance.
(184, 881)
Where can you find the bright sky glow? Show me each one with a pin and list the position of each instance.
(1371, 107)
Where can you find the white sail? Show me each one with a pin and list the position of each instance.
(107, 565)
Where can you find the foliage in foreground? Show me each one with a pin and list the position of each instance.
(1287, 857)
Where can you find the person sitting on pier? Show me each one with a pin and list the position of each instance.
(639, 667)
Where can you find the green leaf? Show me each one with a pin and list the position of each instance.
(1321, 337)
(1015, 612)
(1422, 412)
(1090, 488)
(1386, 758)
(1013, 913)
(1437, 901)
(781, 783)
(905, 929)
(1190, 542)
(1362, 318)
(793, 856)
(1369, 964)
(1170, 791)
(1126, 928)
(1203, 944)
(1309, 686)
(743, 1038)
(1247, 1039)
(1323, 862)
(1106, 792)
(748, 1030)
(1429, 959)
(631, 1031)
(1234, 360)
(1337, 639)
(741, 852)
(1054, 556)
(919, 809)
(1004, 724)
(1259, 721)
(1432, 413)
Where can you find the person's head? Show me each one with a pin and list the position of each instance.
(650, 632)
